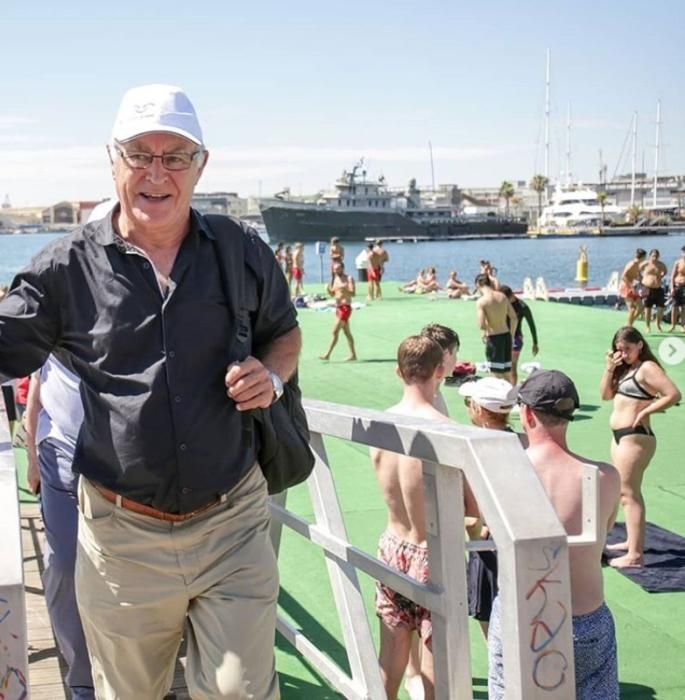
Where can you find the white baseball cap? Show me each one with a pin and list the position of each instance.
(153, 108)
(497, 395)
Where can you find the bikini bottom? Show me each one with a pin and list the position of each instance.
(639, 430)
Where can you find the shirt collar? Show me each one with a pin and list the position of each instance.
(102, 231)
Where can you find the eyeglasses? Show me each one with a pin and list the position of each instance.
(141, 160)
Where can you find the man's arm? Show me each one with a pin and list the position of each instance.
(351, 286)
(673, 275)
(482, 319)
(624, 274)
(513, 319)
(528, 315)
(33, 407)
(29, 325)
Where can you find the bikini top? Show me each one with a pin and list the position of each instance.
(630, 387)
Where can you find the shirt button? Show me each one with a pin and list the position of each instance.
(171, 353)
(177, 399)
(185, 491)
(183, 447)
(146, 265)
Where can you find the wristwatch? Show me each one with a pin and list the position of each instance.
(277, 384)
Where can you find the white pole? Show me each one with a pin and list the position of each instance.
(430, 149)
(546, 173)
(568, 146)
(656, 149)
(634, 159)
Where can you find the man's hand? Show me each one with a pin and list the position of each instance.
(33, 475)
(535, 350)
(249, 384)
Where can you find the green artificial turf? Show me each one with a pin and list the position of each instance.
(574, 339)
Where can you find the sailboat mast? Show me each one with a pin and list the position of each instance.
(430, 150)
(656, 149)
(546, 173)
(634, 159)
(568, 146)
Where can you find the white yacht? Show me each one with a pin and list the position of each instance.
(574, 207)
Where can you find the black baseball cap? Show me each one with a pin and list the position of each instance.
(550, 391)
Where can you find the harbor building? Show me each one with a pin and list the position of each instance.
(227, 203)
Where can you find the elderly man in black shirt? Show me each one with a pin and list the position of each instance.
(173, 507)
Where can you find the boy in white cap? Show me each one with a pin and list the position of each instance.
(489, 402)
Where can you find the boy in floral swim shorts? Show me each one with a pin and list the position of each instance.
(403, 544)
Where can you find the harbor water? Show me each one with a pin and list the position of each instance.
(554, 259)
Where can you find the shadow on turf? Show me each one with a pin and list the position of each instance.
(637, 691)
(588, 407)
(311, 629)
(293, 688)
(378, 359)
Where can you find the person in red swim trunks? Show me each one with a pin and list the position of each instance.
(342, 288)
(298, 269)
(629, 287)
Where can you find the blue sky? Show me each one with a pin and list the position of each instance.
(290, 93)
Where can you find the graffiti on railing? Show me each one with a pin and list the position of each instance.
(12, 682)
(4, 609)
(550, 665)
(13, 685)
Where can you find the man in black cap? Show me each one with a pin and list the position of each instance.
(548, 400)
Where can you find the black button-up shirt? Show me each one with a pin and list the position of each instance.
(158, 426)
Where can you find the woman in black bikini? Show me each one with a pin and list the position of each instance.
(638, 385)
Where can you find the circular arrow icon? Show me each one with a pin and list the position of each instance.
(672, 351)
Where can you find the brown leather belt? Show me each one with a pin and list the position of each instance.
(142, 509)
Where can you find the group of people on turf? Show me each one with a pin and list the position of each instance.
(546, 402)
(648, 292)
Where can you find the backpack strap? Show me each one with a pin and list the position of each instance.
(232, 245)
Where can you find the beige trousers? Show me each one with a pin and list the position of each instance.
(140, 581)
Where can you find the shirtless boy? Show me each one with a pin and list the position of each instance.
(342, 289)
(377, 256)
(548, 399)
(448, 340)
(298, 268)
(629, 287)
(454, 286)
(383, 256)
(373, 273)
(678, 292)
(403, 544)
(336, 251)
(497, 321)
(653, 272)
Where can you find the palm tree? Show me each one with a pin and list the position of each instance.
(539, 184)
(506, 192)
(634, 213)
(602, 198)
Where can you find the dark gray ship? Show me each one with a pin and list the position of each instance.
(360, 209)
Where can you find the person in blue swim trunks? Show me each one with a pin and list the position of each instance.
(548, 399)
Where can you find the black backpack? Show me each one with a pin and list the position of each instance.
(280, 431)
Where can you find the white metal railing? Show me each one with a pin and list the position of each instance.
(531, 543)
(13, 636)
